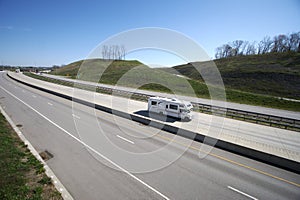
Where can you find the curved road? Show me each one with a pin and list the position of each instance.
(88, 167)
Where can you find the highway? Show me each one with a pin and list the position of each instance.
(275, 141)
(101, 156)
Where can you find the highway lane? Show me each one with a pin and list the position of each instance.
(188, 177)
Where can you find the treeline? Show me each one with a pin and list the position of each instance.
(279, 43)
(113, 52)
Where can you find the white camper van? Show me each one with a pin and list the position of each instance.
(170, 107)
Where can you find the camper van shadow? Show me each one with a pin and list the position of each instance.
(159, 117)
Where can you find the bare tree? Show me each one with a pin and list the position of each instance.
(123, 52)
(225, 51)
(260, 47)
(243, 48)
(283, 43)
(105, 52)
(251, 49)
(236, 45)
(266, 44)
(115, 52)
(280, 43)
(219, 52)
(294, 42)
(275, 44)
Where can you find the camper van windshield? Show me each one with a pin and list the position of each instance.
(185, 110)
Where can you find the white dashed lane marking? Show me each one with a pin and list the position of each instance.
(125, 139)
(242, 193)
(76, 116)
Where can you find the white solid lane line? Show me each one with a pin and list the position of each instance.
(50, 104)
(91, 148)
(125, 139)
(242, 193)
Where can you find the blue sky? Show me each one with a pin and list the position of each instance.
(46, 33)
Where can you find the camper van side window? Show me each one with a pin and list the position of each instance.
(173, 107)
(153, 103)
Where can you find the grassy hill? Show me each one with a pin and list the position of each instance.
(275, 74)
(252, 80)
(130, 73)
(90, 69)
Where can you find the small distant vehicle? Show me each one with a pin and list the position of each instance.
(18, 71)
(170, 107)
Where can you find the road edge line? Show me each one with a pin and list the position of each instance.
(55, 181)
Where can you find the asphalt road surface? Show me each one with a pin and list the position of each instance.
(101, 156)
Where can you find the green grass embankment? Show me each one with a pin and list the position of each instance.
(22, 176)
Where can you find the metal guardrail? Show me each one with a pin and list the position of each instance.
(258, 118)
